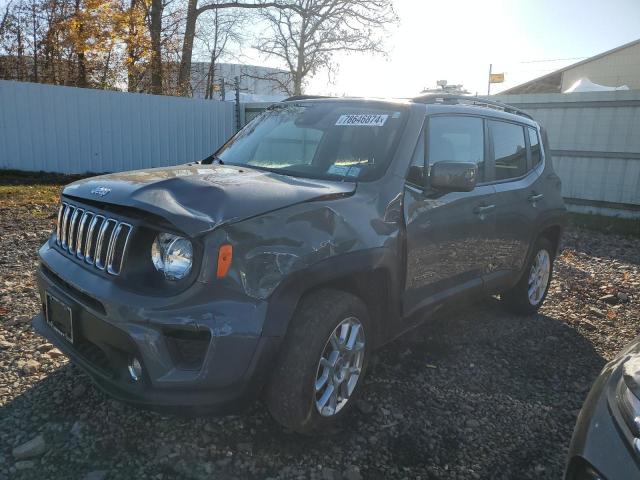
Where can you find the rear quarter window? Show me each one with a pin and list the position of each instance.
(534, 141)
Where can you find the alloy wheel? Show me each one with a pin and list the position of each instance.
(340, 367)
(539, 276)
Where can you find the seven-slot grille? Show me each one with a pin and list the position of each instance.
(98, 240)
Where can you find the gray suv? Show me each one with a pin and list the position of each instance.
(272, 269)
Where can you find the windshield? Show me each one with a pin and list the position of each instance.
(322, 140)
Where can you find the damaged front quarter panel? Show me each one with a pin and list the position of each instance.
(272, 246)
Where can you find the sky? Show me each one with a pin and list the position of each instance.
(457, 41)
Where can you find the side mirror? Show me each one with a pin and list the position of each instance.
(454, 176)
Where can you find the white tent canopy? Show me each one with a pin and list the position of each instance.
(586, 85)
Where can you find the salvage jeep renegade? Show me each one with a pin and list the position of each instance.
(273, 268)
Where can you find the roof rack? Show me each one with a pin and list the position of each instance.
(463, 99)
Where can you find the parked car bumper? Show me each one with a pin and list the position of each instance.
(602, 444)
(191, 362)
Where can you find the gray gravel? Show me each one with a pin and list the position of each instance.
(477, 393)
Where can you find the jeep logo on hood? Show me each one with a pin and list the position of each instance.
(100, 191)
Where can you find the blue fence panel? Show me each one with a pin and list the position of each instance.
(75, 130)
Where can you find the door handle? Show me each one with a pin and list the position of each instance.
(482, 210)
(533, 198)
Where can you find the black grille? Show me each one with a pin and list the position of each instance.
(98, 240)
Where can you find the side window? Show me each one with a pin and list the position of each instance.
(536, 157)
(509, 149)
(457, 139)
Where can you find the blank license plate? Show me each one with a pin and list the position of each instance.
(59, 317)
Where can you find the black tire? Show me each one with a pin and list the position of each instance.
(517, 299)
(290, 394)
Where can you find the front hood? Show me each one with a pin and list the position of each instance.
(197, 198)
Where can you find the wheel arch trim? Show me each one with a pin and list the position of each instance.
(332, 273)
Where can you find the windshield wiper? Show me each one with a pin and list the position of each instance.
(292, 173)
(211, 158)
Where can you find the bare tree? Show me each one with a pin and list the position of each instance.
(5, 17)
(14, 37)
(35, 36)
(305, 38)
(194, 11)
(218, 31)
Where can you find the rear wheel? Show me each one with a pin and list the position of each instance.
(530, 292)
(324, 358)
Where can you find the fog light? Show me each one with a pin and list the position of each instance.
(135, 369)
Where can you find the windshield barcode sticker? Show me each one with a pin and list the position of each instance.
(361, 120)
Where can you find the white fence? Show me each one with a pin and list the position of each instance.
(75, 130)
(595, 142)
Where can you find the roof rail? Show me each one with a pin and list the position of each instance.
(304, 97)
(464, 99)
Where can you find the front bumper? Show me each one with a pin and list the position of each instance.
(602, 445)
(111, 326)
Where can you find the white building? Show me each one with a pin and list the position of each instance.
(255, 81)
(613, 68)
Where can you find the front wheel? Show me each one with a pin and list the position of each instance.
(530, 292)
(324, 358)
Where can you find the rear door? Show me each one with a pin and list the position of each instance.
(448, 233)
(515, 167)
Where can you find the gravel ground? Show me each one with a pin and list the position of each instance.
(472, 394)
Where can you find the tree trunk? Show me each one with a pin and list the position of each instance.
(156, 46)
(82, 71)
(208, 93)
(81, 79)
(297, 84)
(299, 74)
(19, 65)
(184, 74)
(51, 51)
(34, 20)
(211, 77)
(105, 72)
(132, 80)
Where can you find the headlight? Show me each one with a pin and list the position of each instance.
(629, 407)
(580, 469)
(172, 255)
(628, 402)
